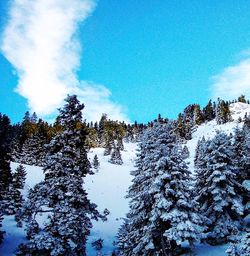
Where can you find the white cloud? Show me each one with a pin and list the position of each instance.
(41, 43)
(97, 102)
(233, 81)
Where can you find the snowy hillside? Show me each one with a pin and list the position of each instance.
(208, 130)
(108, 187)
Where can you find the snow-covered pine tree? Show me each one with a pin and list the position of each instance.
(116, 157)
(162, 214)
(223, 114)
(217, 189)
(245, 159)
(241, 247)
(200, 153)
(13, 200)
(19, 177)
(61, 196)
(185, 152)
(96, 163)
(238, 142)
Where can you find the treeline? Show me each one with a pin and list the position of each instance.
(28, 138)
(169, 206)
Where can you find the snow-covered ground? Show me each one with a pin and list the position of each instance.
(107, 188)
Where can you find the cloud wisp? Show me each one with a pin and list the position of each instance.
(232, 81)
(40, 41)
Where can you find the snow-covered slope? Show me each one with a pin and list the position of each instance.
(108, 187)
(208, 130)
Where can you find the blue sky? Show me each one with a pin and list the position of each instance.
(141, 57)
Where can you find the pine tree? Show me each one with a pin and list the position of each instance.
(185, 152)
(61, 195)
(162, 214)
(217, 189)
(208, 112)
(116, 157)
(183, 129)
(13, 200)
(5, 141)
(198, 117)
(19, 177)
(96, 163)
(200, 153)
(241, 247)
(223, 113)
(242, 99)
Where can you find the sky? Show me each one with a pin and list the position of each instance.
(130, 59)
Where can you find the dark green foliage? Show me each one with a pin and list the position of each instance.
(183, 129)
(96, 163)
(209, 112)
(242, 99)
(5, 157)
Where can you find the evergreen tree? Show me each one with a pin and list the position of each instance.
(223, 114)
(19, 177)
(198, 117)
(208, 112)
(96, 163)
(183, 129)
(116, 157)
(200, 153)
(241, 247)
(242, 99)
(162, 213)
(61, 195)
(5, 157)
(217, 189)
(185, 152)
(13, 200)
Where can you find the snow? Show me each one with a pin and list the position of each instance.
(208, 130)
(108, 188)
(209, 250)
